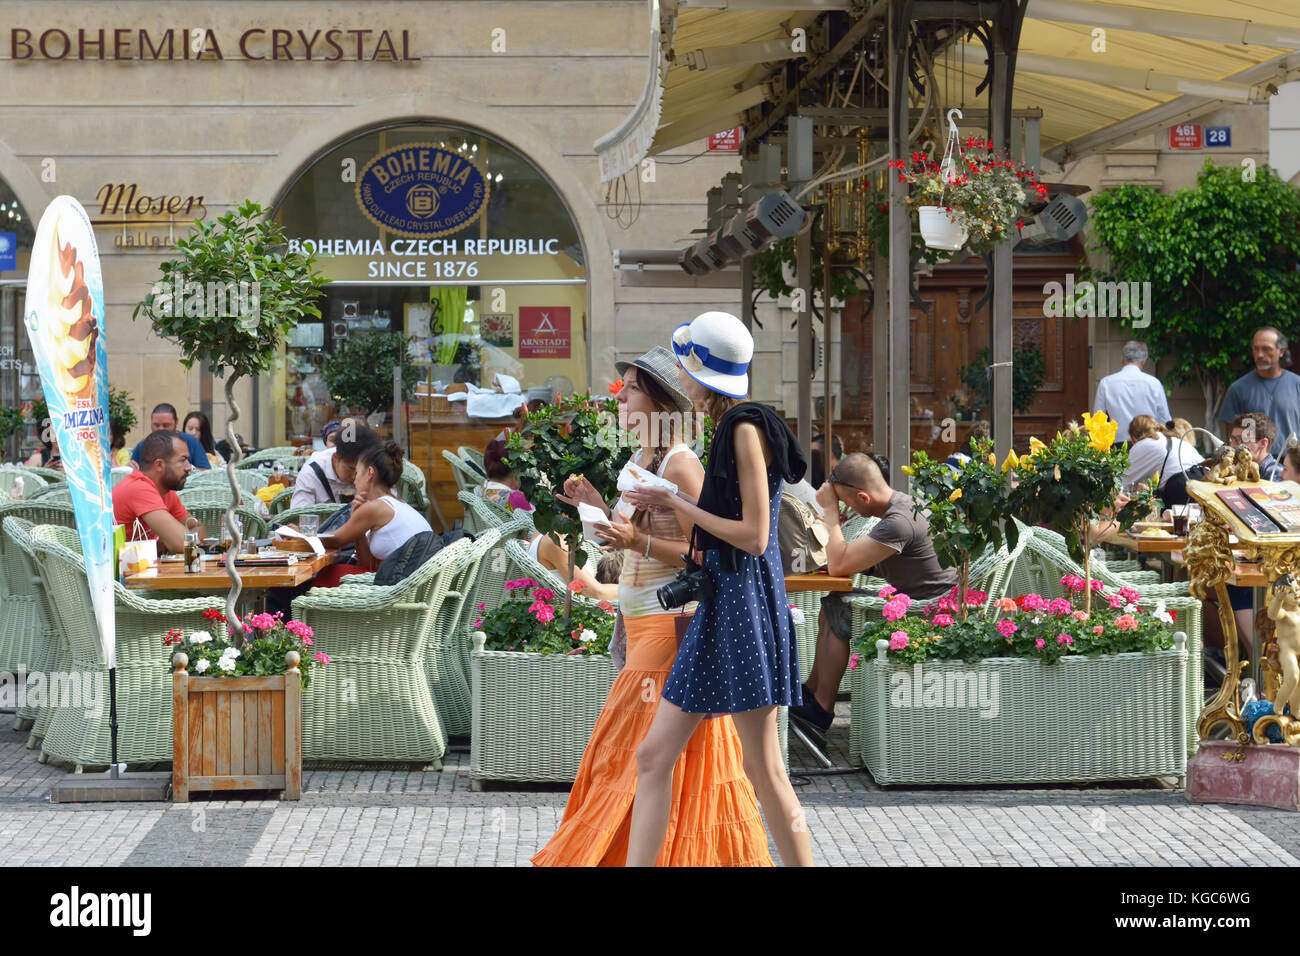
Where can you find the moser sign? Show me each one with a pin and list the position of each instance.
(124, 207)
(27, 44)
(420, 190)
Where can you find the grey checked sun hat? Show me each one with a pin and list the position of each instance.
(660, 365)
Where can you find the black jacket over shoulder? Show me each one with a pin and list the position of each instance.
(721, 492)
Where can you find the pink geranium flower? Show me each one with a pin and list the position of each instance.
(544, 613)
(1097, 629)
(1005, 604)
(1080, 615)
(322, 657)
(1115, 601)
(888, 591)
(1073, 582)
(1006, 628)
(1128, 595)
(947, 604)
(261, 622)
(300, 629)
(544, 594)
(853, 661)
(893, 610)
(976, 598)
(1096, 585)
(1126, 622)
(1040, 643)
(1033, 602)
(1060, 607)
(898, 640)
(1064, 639)
(942, 620)
(481, 606)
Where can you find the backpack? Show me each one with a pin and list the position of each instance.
(408, 558)
(801, 537)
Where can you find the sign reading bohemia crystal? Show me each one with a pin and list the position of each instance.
(198, 43)
(420, 190)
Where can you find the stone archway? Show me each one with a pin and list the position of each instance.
(33, 196)
(300, 152)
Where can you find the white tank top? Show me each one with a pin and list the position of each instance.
(406, 523)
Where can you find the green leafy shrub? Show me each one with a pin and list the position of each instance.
(360, 373)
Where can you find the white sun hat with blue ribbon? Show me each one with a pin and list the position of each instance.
(715, 349)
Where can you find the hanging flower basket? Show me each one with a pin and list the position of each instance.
(942, 229)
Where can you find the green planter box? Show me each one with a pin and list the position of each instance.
(1013, 720)
(532, 714)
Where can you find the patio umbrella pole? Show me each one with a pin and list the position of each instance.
(112, 721)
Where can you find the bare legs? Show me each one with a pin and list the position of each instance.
(657, 756)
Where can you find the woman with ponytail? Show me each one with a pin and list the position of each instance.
(380, 523)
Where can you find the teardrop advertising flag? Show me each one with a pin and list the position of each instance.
(65, 322)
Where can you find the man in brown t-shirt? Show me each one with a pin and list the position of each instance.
(899, 550)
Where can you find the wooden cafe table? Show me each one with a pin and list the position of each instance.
(171, 575)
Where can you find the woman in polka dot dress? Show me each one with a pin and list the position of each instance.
(739, 655)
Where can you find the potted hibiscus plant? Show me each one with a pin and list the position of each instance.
(237, 719)
(538, 682)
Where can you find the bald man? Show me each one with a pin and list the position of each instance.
(897, 549)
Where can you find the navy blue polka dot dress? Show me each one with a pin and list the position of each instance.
(739, 652)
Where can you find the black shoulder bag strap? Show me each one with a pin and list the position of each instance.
(320, 473)
(1169, 447)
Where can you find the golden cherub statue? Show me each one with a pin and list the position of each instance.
(1284, 609)
(1223, 469)
(1247, 469)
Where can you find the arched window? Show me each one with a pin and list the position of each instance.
(449, 235)
(19, 380)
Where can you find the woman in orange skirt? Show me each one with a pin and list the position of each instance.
(715, 820)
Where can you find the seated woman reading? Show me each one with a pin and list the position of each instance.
(380, 522)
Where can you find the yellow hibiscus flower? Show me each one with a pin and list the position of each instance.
(909, 470)
(956, 493)
(1011, 461)
(1035, 446)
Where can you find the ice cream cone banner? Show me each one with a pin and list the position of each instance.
(65, 322)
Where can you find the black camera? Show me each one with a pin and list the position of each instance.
(693, 583)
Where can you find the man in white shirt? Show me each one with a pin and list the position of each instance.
(1130, 392)
(314, 487)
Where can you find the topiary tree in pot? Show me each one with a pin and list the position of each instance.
(228, 300)
(360, 373)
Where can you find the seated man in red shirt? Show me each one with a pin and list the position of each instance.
(149, 494)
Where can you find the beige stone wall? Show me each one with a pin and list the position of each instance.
(234, 129)
(1150, 161)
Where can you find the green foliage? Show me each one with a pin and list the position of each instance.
(527, 622)
(11, 420)
(38, 411)
(1221, 260)
(119, 408)
(964, 506)
(770, 267)
(463, 350)
(360, 373)
(577, 436)
(704, 442)
(243, 336)
(1074, 479)
(1035, 628)
(1027, 376)
(261, 654)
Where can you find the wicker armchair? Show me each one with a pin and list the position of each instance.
(80, 734)
(249, 481)
(481, 513)
(447, 661)
(27, 637)
(51, 475)
(372, 703)
(281, 502)
(472, 455)
(411, 487)
(284, 454)
(466, 478)
(210, 515)
(31, 480)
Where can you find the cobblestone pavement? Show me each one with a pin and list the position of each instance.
(405, 816)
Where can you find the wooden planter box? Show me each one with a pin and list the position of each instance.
(236, 733)
(1120, 717)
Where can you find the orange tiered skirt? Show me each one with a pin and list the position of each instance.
(715, 819)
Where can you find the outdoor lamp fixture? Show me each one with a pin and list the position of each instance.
(776, 216)
(1215, 440)
(1061, 219)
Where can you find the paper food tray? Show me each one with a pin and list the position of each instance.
(633, 475)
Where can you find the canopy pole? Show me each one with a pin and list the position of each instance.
(899, 386)
(803, 267)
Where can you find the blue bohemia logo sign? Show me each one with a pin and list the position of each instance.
(420, 190)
